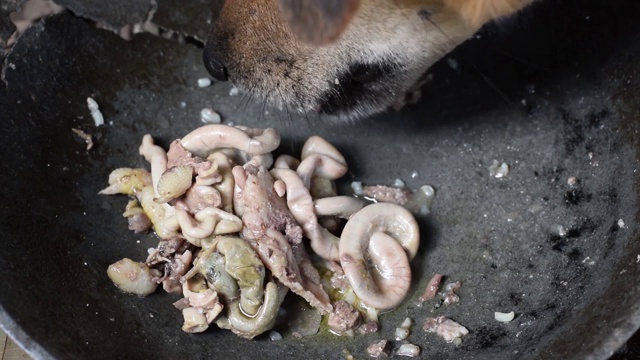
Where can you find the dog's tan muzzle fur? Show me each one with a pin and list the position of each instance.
(346, 58)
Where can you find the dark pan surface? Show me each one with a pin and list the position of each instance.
(540, 92)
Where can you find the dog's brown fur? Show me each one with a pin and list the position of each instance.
(355, 58)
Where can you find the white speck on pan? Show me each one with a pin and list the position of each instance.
(406, 323)
(409, 350)
(422, 200)
(401, 333)
(92, 104)
(357, 188)
(558, 230)
(398, 183)
(504, 317)
(453, 63)
(95, 111)
(498, 170)
(621, 224)
(204, 82)
(209, 116)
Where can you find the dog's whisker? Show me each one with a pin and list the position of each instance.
(299, 101)
(247, 103)
(492, 84)
(246, 96)
(217, 90)
(237, 106)
(428, 19)
(264, 105)
(282, 99)
(304, 86)
(249, 97)
(301, 106)
(239, 99)
(516, 58)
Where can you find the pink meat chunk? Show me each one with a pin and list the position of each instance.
(344, 317)
(445, 328)
(382, 193)
(198, 198)
(369, 327)
(450, 296)
(272, 231)
(139, 223)
(179, 156)
(260, 206)
(432, 288)
(166, 250)
(378, 349)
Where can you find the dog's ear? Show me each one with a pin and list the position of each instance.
(318, 22)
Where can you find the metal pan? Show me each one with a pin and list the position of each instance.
(553, 93)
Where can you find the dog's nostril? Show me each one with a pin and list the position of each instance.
(214, 66)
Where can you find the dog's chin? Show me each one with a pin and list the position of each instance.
(362, 91)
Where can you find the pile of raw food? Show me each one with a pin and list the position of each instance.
(239, 230)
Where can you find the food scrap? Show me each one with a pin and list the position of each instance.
(133, 277)
(387, 194)
(204, 82)
(95, 111)
(343, 318)
(209, 116)
(402, 332)
(504, 317)
(620, 223)
(378, 349)
(449, 296)
(432, 288)
(498, 170)
(446, 328)
(409, 350)
(417, 201)
(84, 136)
(234, 224)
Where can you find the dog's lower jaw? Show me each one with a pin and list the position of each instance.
(352, 91)
(360, 92)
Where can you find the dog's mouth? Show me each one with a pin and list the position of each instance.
(360, 84)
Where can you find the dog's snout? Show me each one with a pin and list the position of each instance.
(214, 66)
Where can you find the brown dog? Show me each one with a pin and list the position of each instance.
(348, 58)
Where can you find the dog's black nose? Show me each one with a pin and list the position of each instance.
(214, 66)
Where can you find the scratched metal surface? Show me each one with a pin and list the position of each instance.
(540, 92)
